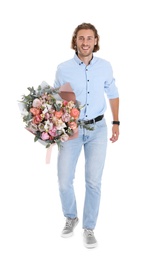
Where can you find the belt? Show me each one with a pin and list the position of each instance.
(92, 121)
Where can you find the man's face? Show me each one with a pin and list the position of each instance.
(85, 42)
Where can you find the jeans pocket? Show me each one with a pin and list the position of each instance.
(101, 123)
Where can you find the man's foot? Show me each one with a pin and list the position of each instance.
(69, 227)
(89, 238)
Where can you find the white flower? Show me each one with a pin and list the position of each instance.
(41, 127)
(48, 125)
(47, 107)
(60, 124)
(70, 104)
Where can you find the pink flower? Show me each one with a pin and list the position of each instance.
(66, 117)
(53, 132)
(65, 103)
(45, 136)
(37, 103)
(47, 116)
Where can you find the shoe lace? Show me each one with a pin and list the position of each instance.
(89, 233)
(68, 223)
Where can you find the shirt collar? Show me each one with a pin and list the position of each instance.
(80, 62)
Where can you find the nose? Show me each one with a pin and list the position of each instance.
(85, 41)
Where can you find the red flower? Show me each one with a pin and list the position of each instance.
(75, 112)
(35, 111)
(58, 114)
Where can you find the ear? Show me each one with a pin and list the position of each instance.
(95, 42)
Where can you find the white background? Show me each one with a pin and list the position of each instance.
(35, 37)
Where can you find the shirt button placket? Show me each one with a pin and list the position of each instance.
(88, 92)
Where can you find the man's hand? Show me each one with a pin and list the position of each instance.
(115, 133)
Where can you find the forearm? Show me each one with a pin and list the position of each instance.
(114, 104)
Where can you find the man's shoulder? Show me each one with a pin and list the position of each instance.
(66, 63)
(102, 60)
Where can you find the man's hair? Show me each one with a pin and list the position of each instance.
(86, 26)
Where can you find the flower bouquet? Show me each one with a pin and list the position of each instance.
(51, 114)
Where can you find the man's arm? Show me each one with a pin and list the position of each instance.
(114, 105)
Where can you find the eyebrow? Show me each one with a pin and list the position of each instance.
(90, 36)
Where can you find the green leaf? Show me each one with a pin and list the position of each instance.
(36, 138)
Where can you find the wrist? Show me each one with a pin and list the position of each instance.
(115, 122)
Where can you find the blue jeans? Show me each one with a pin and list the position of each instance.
(95, 146)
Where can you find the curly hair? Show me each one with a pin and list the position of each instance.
(85, 26)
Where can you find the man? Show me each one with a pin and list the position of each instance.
(90, 78)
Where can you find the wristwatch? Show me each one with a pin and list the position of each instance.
(116, 122)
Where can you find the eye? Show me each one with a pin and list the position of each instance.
(90, 38)
(81, 38)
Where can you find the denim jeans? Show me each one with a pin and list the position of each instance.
(94, 143)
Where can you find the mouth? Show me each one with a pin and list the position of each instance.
(85, 48)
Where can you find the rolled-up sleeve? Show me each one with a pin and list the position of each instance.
(109, 86)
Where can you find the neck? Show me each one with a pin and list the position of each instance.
(86, 60)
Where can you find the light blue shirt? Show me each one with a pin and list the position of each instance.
(90, 84)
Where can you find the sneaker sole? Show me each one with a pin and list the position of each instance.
(90, 245)
(67, 235)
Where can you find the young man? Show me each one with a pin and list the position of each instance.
(90, 78)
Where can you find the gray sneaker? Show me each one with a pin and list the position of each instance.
(69, 227)
(89, 238)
